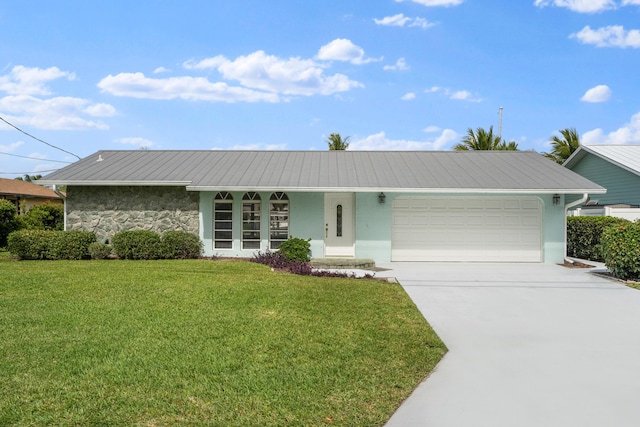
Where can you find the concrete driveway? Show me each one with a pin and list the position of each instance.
(529, 345)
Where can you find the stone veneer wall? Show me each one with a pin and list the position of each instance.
(107, 210)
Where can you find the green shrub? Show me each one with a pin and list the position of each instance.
(47, 244)
(99, 250)
(8, 222)
(29, 244)
(137, 244)
(180, 245)
(44, 217)
(73, 244)
(621, 250)
(295, 249)
(584, 233)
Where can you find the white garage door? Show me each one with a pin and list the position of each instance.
(494, 229)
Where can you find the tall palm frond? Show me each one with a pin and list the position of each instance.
(336, 142)
(563, 147)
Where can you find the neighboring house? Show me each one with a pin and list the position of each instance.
(25, 195)
(616, 168)
(388, 206)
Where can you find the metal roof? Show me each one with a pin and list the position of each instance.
(625, 156)
(402, 171)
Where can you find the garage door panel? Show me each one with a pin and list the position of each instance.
(498, 229)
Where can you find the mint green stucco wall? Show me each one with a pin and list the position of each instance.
(622, 186)
(306, 220)
(373, 227)
(372, 224)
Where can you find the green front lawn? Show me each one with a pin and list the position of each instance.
(203, 343)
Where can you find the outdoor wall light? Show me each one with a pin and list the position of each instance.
(381, 198)
(556, 199)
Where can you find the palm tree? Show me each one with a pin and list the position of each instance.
(563, 147)
(483, 140)
(336, 142)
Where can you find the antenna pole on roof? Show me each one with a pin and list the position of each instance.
(500, 125)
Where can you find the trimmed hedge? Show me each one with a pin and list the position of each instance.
(147, 244)
(51, 245)
(137, 244)
(295, 249)
(621, 250)
(99, 250)
(584, 234)
(181, 245)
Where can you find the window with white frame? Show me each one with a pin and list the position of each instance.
(223, 221)
(251, 221)
(278, 219)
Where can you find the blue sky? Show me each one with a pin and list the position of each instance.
(284, 74)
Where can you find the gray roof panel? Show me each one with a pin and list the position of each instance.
(433, 171)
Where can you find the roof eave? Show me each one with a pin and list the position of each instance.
(85, 183)
(402, 190)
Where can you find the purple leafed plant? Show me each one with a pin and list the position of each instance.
(278, 261)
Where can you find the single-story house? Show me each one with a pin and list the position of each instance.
(388, 206)
(614, 167)
(25, 195)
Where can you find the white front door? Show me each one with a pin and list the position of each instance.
(339, 217)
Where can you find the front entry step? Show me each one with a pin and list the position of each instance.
(359, 263)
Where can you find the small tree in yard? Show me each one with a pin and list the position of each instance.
(44, 217)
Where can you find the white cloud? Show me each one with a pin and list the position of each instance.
(580, 6)
(205, 64)
(293, 76)
(627, 134)
(432, 129)
(395, 21)
(432, 3)
(408, 96)
(457, 95)
(136, 85)
(100, 110)
(379, 141)
(161, 70)
(631, 2)
(600, 93)
(610, 36)
(400, 20)
(10, 147)
(343, 50)
(31, 81)
(400, 65)
(54, 113)
(24, 105)
(137, 141)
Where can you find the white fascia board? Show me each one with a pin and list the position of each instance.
(402, 190)
(120, 183)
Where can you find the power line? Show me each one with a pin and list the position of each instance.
(38, 139)
(33, 158)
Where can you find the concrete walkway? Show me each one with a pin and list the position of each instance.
(529, 345)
